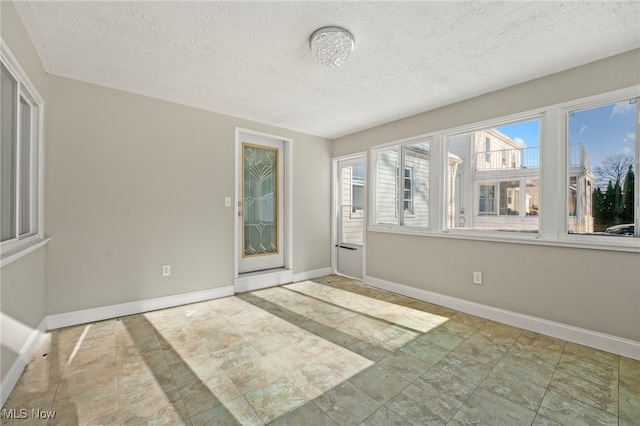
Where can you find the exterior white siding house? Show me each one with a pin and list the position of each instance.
(352, 205)
(497, 185)
(408, 188)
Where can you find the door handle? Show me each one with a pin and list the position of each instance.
(348, 248)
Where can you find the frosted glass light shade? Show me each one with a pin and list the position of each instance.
(331, 46)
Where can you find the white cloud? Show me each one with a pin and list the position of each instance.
(631, 137)
(520, 141)
(583, 129)
(626, 150)
(621, 108)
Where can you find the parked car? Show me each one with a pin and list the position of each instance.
(625, 229)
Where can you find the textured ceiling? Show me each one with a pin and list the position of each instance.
(252, 59)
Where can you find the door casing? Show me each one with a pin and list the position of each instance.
(261, 279)
(335, 208)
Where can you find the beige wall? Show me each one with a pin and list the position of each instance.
(23, 304)
(593, 289)
(135, 182)
(22, 289)
(16, 36)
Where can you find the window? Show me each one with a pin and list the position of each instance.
(407, 193)
(491, 176)
(487, 199)
(494, 178)
(402, 199)
(487, 149)
(601, 169)
(357, 189)
(19, 161)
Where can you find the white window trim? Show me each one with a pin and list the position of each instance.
(563, 156)
(554, 223)
(400, 144)
(11, 251)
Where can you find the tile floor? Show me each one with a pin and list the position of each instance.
(323, 352)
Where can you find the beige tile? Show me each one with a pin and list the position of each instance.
(493, 409)
(451, 389)
(255, 374)
(522, 392)
(629, 408)
(345, 363)
(411, 406)
(441, 337)
(197, 398)
(526, 369)
(592, 355)
(465, 368)
(314, 379)
(629, 372)
(380, 384)
(275, 399)
(234, 412)
(262, 356)
(170, 415)
(86, 407)
(568, 411)
(596, 372)
(425, 351)
(236, 355)
(580, 389)
(346, 404)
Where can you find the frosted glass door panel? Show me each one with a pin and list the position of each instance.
(260, 199)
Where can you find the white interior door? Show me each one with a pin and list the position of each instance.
(351, 207)
(261, 206)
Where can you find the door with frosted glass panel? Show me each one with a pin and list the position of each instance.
(261, 209)
(351, 208)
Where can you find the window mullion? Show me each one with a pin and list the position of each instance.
(401, 187)
(554, 174)
(637, 173)
(18, 156)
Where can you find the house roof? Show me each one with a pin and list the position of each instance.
(252, 59)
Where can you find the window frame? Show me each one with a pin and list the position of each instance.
(23, 243)
(357, 212)
(400, 146)
(553, 180)
(565, 156)
(494, 211)
(540, 115)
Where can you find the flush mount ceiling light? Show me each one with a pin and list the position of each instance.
(331, 46)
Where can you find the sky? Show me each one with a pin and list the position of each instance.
(604, 131)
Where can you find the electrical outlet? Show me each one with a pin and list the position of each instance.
(227, 201)
(477, 277)
(166, 270)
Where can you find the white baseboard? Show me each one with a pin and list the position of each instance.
(18, 366)
(262, 279)
(594, 339)
(309, 275)
(130, 308)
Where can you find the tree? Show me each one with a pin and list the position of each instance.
(614, 168)
(598, 206)
(628, 194)
(608, 209)
(618, 203)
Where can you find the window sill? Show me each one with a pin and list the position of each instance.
(519, 238)
(22, 250)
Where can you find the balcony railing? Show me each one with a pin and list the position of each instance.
(579, 157)
(527, 158)
(519, 158)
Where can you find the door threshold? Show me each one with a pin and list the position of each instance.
(256, 280)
